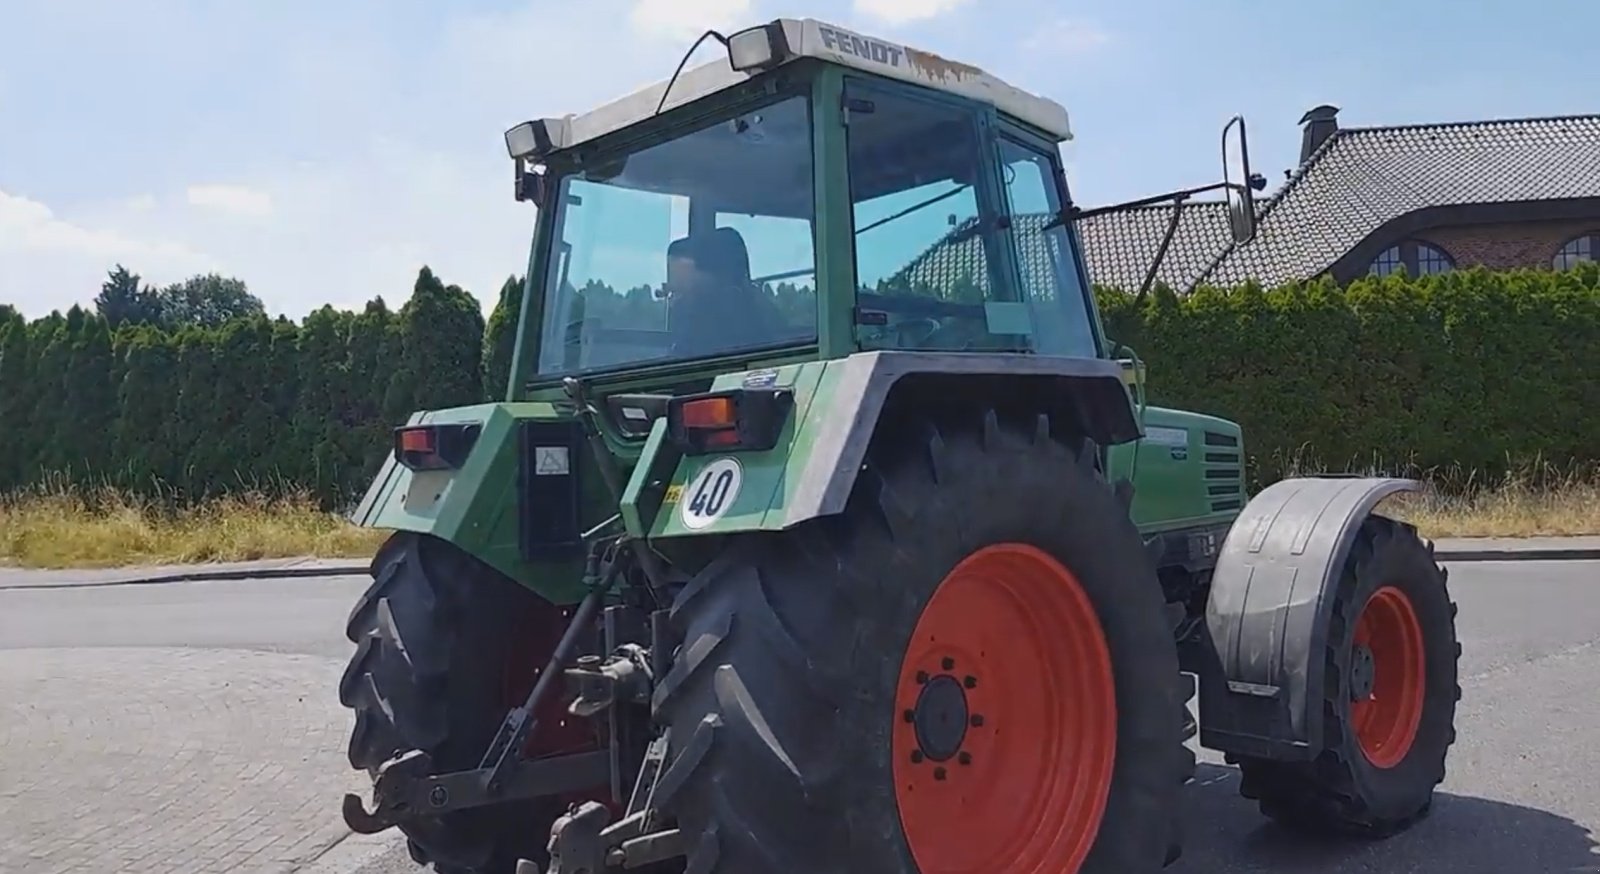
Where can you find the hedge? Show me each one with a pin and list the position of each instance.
(1474, 370)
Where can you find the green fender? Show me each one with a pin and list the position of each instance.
(475, 506)
(837, 404)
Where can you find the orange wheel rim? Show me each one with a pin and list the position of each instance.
(1388, 677)
(1005, 720)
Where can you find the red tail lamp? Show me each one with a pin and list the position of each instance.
(435, 447)
(741, 420)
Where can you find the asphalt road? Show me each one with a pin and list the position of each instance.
(193, 727)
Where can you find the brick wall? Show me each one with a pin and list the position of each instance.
(1519, 244)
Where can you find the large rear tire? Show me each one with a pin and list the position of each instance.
(968, 671)
(1390, 698)
(442, 649)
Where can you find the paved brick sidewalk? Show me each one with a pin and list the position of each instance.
(181, 760)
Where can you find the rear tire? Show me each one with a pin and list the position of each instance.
(437, 634)
(788, 703)
(1383, 756)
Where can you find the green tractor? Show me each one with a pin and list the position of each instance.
(824, 530)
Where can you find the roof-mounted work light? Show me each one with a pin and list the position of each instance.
(532, 139)
(759, 48)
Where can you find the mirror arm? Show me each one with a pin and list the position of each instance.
(1161, 253)
(1073, 213)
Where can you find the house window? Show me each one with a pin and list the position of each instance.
(1419, 259)
(1576, 250)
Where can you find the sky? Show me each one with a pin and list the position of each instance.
(324, 151)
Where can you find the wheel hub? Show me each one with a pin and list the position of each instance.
(940, 718)
(1363, 673)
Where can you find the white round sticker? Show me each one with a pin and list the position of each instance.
(711, 493)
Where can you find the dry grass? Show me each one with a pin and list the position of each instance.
(62, 527)
(1508, 511)
(1536, 500)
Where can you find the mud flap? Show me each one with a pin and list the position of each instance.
(1267, 617)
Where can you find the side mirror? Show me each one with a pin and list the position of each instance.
(1241, 194)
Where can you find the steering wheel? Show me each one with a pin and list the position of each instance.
(920, 330)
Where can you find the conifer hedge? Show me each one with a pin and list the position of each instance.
(1472, 370)
(1476, 372)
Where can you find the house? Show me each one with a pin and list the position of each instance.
(1433, 197)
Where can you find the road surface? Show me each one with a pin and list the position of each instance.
(193, 727)
(189, 727)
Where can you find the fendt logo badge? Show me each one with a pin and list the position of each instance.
(871, 49)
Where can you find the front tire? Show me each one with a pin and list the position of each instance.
(1390, 697)
(968, 671)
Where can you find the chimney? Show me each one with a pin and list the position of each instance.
(1319, 123)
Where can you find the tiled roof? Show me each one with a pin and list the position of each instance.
(1120, 246)
(939, 264)
(1356, 181)
(1117, 246)
(1361, 178)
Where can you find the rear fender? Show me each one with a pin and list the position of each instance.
(836, 412)
(1266, 623)
(490, 504)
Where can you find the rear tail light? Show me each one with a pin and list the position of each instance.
(435, 447)
(745, 420)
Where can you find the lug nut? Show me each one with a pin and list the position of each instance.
(910, 716)
(939, 774)
(965, 758)
(916, 757)
(970, 682)
(922, 677)
(439, 797)
(949, 663)
(977, 720)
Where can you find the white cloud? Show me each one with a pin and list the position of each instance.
(47, 262)
(1068, 36)
(231, 199)
(687, 19)
(906, 11)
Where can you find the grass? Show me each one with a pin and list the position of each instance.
(63, 527)
(1536, 499)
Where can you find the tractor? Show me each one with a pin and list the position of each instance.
(823, 529)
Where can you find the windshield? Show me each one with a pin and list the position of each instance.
(697, 247)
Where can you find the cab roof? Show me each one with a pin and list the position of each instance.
(809, 38)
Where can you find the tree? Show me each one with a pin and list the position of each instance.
(17, 410)
(53, 337)
(500, 340)
(145, 399)
(208, 300)
(323, 411)
(83, 434)
(441, 343)
(122, 300)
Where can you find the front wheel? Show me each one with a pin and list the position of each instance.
(1391, 692)
(969, 671)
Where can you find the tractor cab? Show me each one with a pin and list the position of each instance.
(813, 194)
